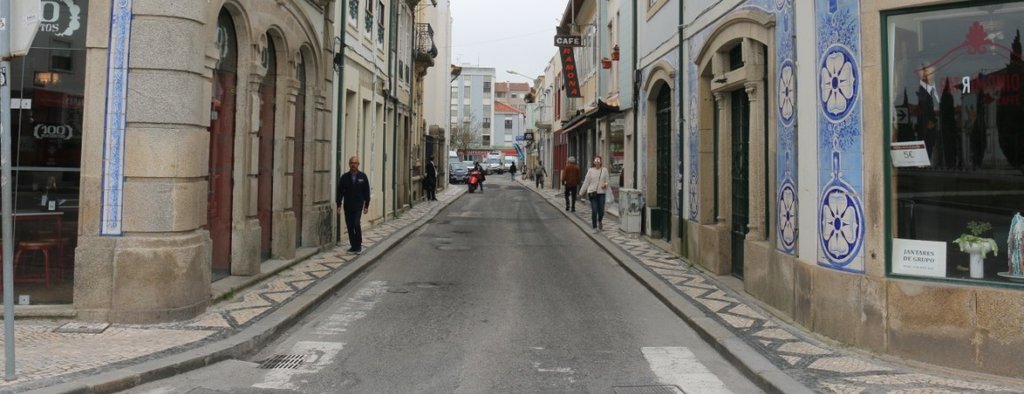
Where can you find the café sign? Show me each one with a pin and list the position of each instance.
(60, 17)
(568, 40)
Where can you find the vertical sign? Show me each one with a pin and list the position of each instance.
(569, 72)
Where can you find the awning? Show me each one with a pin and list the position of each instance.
(573, 124)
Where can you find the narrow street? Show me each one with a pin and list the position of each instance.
(498, 293)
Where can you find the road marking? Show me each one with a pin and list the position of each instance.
(353, 309)
(678, 366)
(320, 354)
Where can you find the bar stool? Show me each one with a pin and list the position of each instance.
(44, 247)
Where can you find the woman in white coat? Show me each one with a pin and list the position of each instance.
(594, 187)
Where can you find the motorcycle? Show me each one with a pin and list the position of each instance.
(474, 180)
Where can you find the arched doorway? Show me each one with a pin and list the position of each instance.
(222, 139)
(661, 224)
(298, 168)
(265, 169)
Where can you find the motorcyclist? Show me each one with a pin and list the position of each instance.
(482, 177)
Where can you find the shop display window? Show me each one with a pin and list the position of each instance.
(956, 151)
(47, 97)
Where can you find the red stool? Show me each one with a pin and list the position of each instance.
(44, 247)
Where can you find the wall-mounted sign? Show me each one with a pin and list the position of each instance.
(528, 136)
(519, 138)
(568, 40)
(570, 76)
(918, 258)
(909, 154)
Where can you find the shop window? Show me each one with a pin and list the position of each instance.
(954, 78)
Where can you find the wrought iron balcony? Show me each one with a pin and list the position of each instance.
(426, 51)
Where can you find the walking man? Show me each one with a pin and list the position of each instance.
(354, 197)
(539, 173)
(430, 180)
(512, 170)
(571, 183)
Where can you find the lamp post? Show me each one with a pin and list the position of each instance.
(513, 72)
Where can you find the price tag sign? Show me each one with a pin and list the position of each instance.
(909, 154)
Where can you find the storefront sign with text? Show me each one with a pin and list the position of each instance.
(570, 76)
(909, 154)
(918, 258)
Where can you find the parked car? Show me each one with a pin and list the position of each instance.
(457, 172)
(493, 165)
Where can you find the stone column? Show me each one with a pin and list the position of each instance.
(158, 268)
(724, 160)
(757, 167)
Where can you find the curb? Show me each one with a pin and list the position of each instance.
(749, 361)
(250, 338)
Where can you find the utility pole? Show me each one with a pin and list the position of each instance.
(5, 187)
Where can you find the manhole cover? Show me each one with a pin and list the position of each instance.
(82, 328)
(648, 390)
(283, 361)
(425, 285)
(454, 248)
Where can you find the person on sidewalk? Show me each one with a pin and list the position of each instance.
(353, 198)
(430, 180)
(571, 183)
(512, 170)
(595, 185)
(539, 173)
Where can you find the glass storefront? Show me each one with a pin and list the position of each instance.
(957, 141)
(47, 88)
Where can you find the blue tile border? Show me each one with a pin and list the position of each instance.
(116, 109)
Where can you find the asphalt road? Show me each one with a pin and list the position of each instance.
(499, 293)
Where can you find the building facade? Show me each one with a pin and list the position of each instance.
(863, 204)
(136, 230)
(472, 107)
(509, 124)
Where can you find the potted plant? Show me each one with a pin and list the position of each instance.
(972, 243)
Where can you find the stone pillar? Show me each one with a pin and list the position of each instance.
(158, 268)
(284, 230)
(724, 159)
(757, 168)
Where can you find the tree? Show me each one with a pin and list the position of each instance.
(464, 135)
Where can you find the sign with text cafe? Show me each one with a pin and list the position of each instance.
(571, 81)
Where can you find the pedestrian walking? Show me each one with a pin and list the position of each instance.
(538, 174)
(477, 167)
(595, 185)
(353, 198)
(571, 183)
(430, 180)
(512, 170)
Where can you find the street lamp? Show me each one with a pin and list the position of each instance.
(511, 71)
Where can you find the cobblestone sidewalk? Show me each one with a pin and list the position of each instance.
(820, 367)
(46, 357)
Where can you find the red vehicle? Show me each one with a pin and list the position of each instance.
(474, 179)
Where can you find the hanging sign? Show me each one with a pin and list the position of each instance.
(568, 40)
(909, 154)
(571, 78)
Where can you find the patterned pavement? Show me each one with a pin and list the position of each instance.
(820, 367)
(45, 357)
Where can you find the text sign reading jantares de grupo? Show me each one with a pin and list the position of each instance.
(918, 258)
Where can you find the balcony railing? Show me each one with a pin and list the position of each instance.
(425, 48)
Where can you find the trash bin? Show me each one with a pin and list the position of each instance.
(631, 207)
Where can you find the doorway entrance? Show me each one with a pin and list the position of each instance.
(661, 226)
(740, 117)
(222, 141)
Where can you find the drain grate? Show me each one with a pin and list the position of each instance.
(283, 361)
(648, 390)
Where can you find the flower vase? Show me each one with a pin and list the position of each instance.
(977, 252)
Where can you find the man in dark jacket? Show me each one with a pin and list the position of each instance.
(571, 182)
(354, 197)
(430, 180)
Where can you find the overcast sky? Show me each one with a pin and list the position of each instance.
(517, 35)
